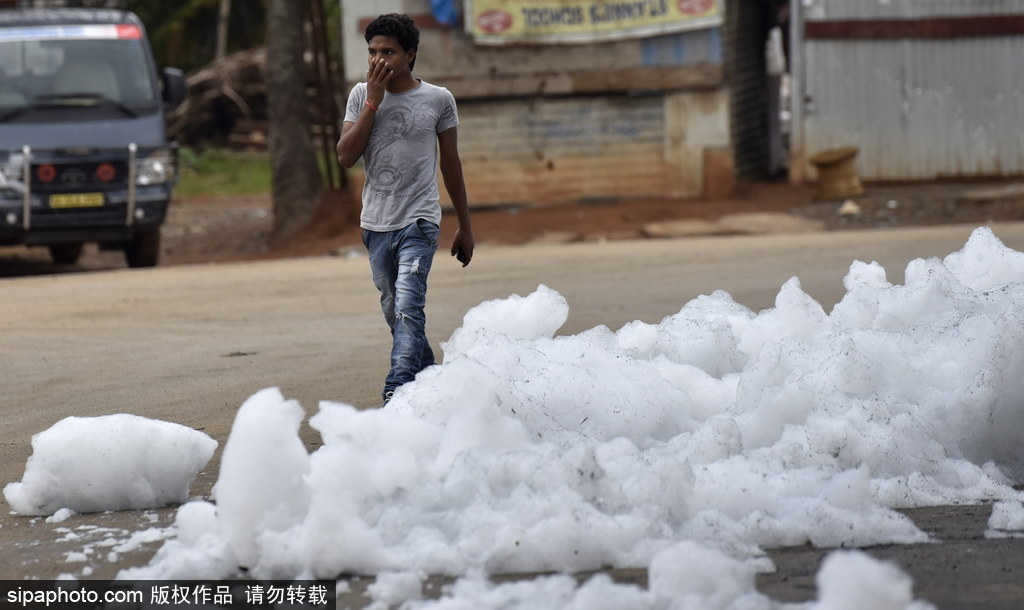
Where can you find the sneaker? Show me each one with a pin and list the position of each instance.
(388, 395)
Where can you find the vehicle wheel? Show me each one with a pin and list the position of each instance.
(66, 254)
(143, 250)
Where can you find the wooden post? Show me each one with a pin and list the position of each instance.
(223, 19)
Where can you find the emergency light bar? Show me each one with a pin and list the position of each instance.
(71, 32)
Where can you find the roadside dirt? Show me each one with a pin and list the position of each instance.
(214, 229)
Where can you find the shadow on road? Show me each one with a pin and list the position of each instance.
(20, 261)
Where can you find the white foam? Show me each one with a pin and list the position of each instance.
(685, 447)
(113, 462)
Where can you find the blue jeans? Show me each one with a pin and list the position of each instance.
(400, 262)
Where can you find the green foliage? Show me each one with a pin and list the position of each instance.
(183, 33)
(215, 171)
(332, 21)
(219, 171)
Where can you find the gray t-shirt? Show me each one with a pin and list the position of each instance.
(400, 160)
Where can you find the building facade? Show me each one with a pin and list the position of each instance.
(626, 116)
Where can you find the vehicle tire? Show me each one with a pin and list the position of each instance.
(143, 250)
(66, 254)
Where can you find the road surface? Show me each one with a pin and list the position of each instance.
(189, 344)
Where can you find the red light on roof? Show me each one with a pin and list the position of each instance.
(129, 32)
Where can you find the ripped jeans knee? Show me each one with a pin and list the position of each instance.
(400, 262)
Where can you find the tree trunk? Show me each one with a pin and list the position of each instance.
(223, 18)
(297, 188)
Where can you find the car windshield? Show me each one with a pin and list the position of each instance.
(48, 67)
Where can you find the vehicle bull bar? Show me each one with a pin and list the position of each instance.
(26, 176)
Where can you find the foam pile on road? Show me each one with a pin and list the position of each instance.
(111, 462)
(694, 442)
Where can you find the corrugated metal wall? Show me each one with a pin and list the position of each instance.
(922, 106)
(746, 28)
(904, 9)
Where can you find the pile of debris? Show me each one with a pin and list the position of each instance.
(226, 104)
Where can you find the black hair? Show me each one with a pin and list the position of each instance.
(399, 27)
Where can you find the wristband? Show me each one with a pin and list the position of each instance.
(371, 106)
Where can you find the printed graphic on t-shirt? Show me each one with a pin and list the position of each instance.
(393, 129)
(400, 159)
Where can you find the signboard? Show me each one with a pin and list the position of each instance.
(583, 21)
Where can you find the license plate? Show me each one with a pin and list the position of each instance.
(78, 200)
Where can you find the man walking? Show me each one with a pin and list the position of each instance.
(400, 125)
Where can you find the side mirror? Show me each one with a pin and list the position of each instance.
(174, 86)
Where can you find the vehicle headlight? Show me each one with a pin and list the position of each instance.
(160, 167)
(11, 172)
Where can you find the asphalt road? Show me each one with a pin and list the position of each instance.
(189, 344)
